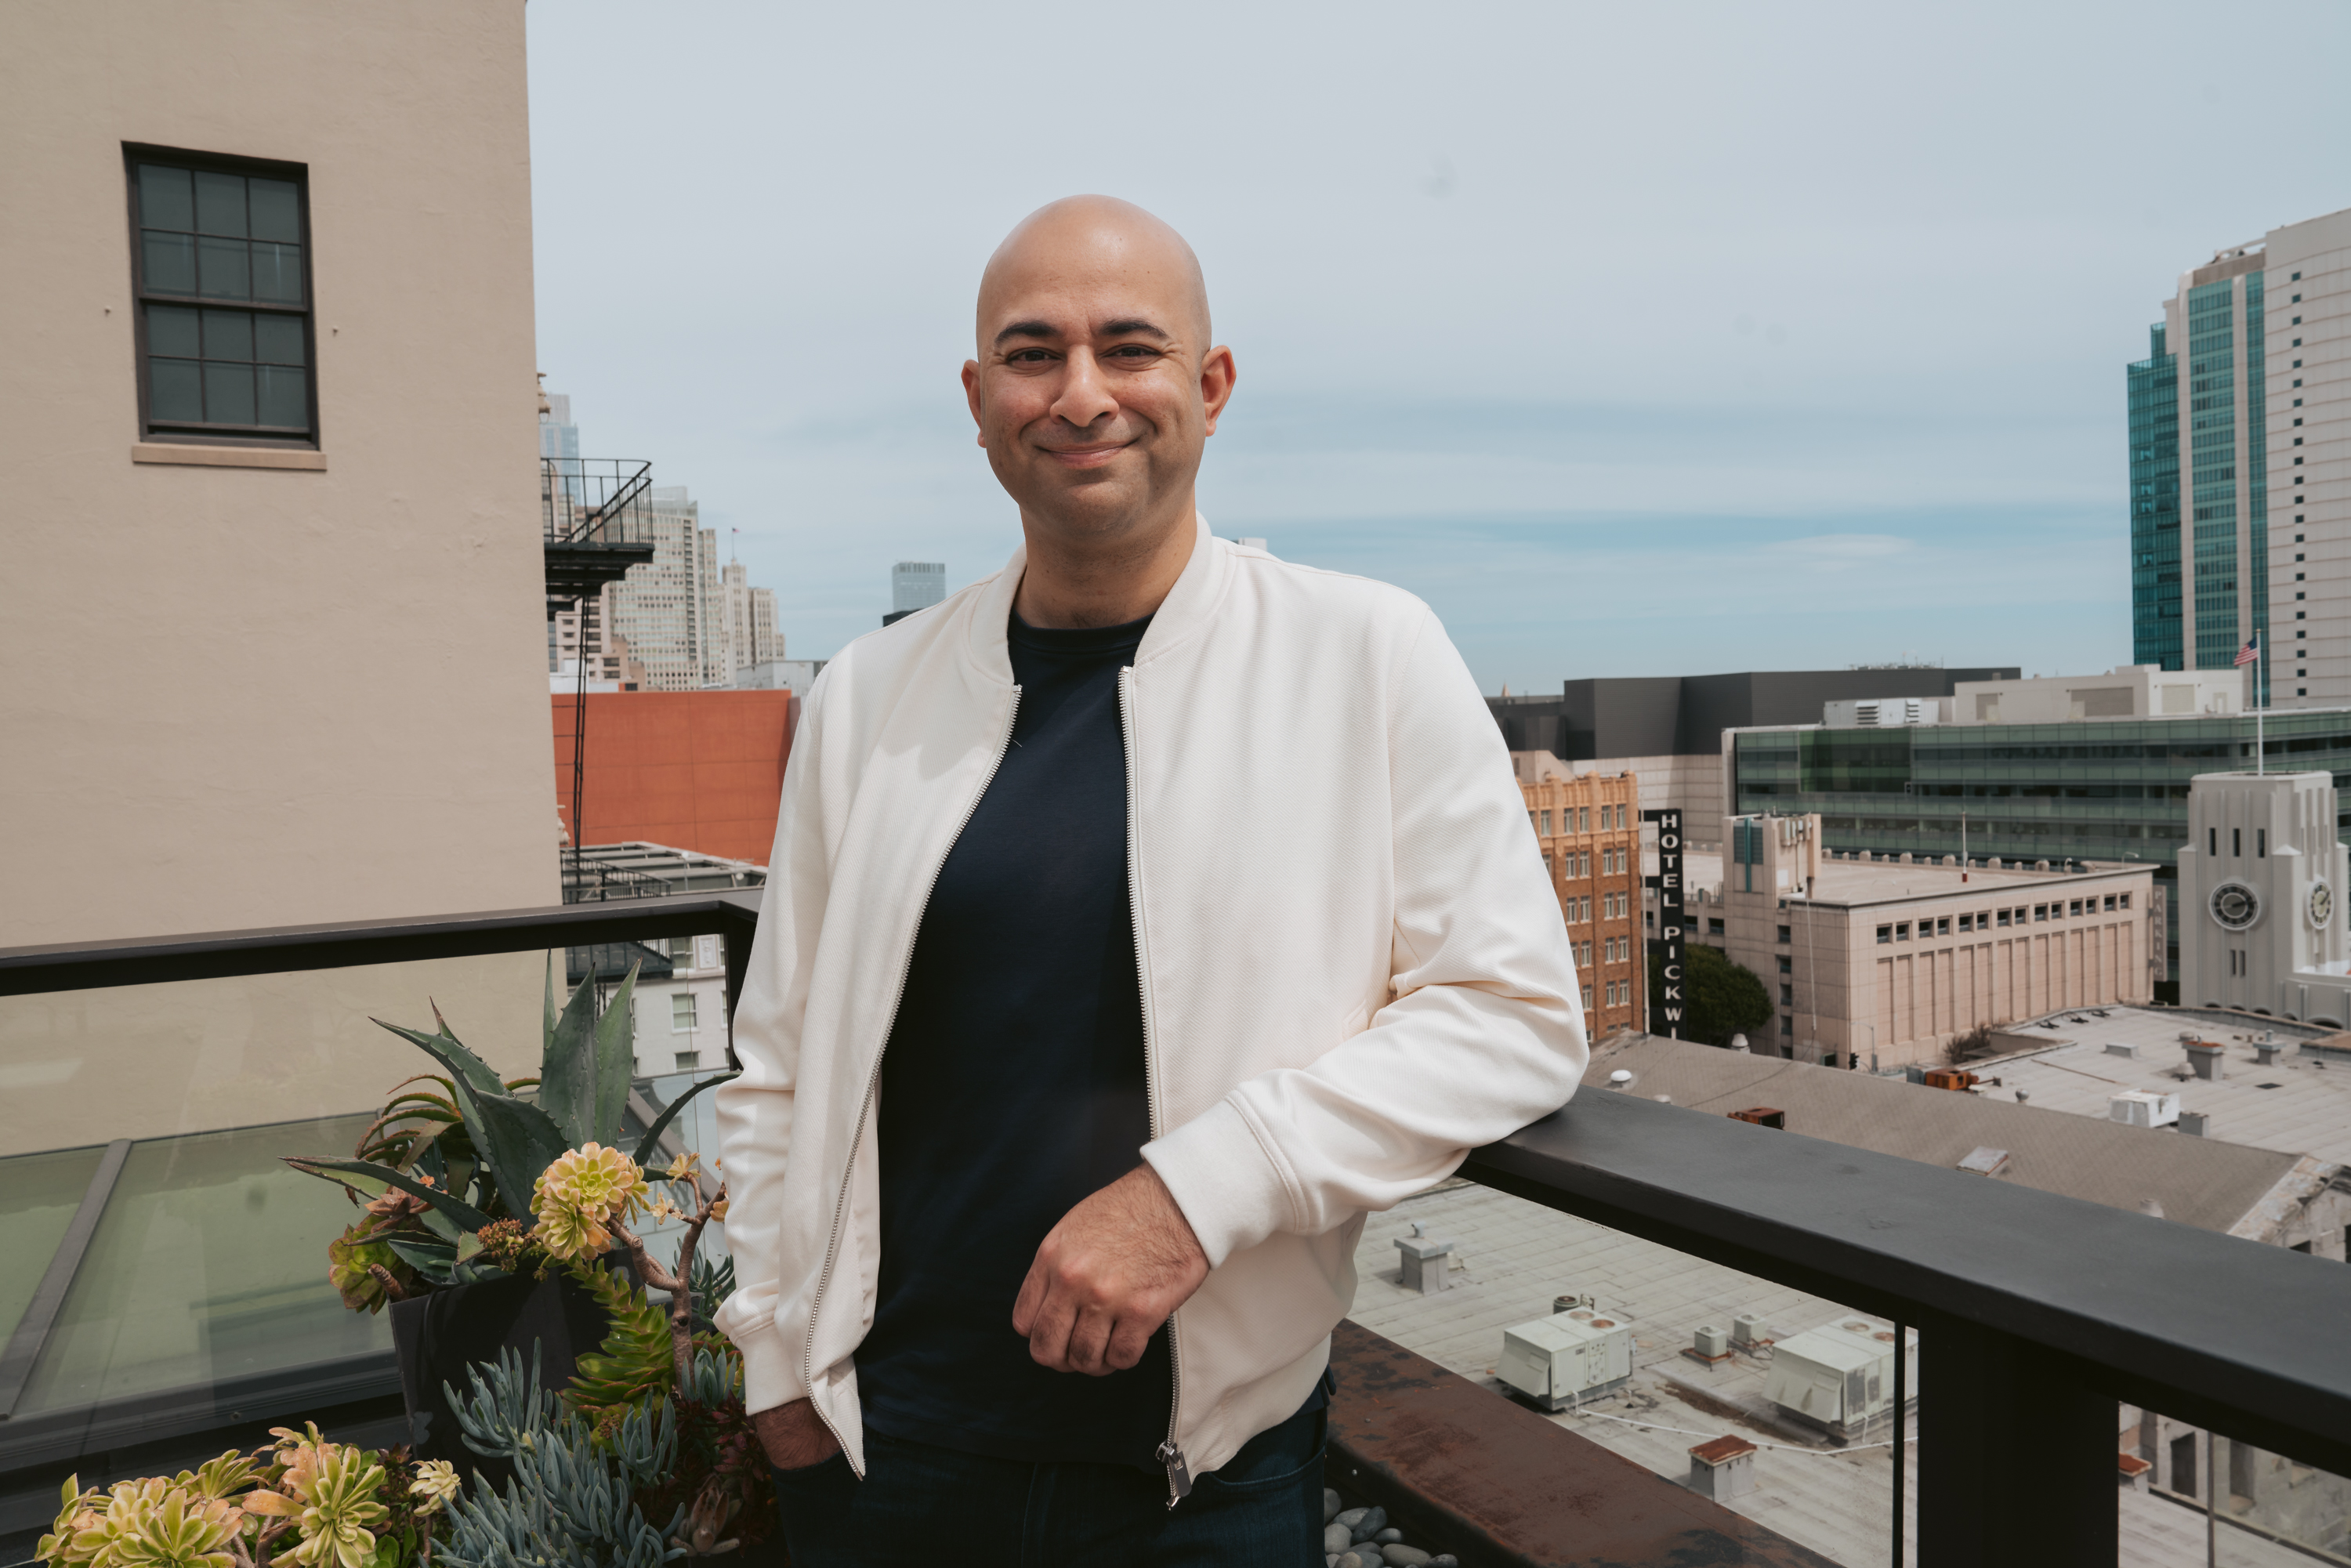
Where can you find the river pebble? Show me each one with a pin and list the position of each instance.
(1373, 1521)
(1336, 1538)
(1330, 1505)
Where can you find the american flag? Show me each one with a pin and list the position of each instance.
(2251, 650)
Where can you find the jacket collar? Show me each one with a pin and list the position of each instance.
(1189, 607)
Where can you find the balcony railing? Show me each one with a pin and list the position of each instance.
(596, 517)
(2035, 1314)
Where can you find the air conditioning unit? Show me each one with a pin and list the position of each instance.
(1556, 1361)
(1841, 1378)
(2143, 1108)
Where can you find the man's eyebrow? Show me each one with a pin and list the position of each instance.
(1124, 327)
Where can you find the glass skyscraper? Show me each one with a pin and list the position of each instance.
(2240, 401)
(2199, 571)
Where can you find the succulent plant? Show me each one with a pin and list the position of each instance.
(456, 1151)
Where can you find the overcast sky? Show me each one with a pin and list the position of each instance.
(1636, 339)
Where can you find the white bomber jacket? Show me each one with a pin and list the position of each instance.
(1353, 962)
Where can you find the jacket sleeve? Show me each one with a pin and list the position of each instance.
(1484, 1029)
(755, 1111)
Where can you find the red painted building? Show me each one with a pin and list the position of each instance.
(695, 771)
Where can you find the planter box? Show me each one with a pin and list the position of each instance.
(439, 1335)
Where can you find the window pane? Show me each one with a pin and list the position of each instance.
(225, 272)
(175, 391)
(164, 201)
(220, 204)
(169, 262)
(277, 340)
(275, 216)
(172, 330)
(228, 335)
(277, 272)
(283, 398)
(228, 394)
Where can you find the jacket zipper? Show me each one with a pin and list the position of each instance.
(874, 1077)
(1170, 1454)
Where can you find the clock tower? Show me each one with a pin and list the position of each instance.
(2262, 882)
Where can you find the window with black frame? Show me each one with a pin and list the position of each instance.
(224, 335)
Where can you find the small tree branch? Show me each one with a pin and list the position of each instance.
(679, 1285)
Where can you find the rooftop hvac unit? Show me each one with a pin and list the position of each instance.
(1556, 1361)
(1841, 1378)
(2144, 1108)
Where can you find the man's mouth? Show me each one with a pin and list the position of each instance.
(1090, 456)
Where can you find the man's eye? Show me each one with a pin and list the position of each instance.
(1134, 351)
(1028, 357)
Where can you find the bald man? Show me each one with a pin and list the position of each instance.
(1140, 919)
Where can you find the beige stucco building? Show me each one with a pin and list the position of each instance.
(269, 325)
(1894, 959)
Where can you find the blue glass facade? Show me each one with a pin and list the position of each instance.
(2257, 486)
(2212, 468)
(2155, 506)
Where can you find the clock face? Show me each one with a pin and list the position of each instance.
(2322, 905)
(2235, 906)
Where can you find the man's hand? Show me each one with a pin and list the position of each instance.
(794, 1436)
(1107, 1276)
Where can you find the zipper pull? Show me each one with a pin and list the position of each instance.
(1179, 1474)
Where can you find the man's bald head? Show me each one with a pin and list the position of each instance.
(1095, 389)
(1082, 239)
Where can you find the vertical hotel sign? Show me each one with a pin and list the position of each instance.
(1670, 1008)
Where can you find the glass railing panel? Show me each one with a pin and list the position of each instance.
(2191, 1497)
(153, 1061)
(1711, 1354)
(38, 1195)
(209, 1268)
(202, 1300)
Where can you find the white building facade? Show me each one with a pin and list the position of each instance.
(2261, 894)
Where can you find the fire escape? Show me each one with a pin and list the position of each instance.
(598, 518)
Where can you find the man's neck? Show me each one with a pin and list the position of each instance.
(1100, 582)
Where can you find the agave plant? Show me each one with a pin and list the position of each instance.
(449, 1171)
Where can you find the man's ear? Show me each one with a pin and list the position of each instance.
(1217, 375)
(971, 396)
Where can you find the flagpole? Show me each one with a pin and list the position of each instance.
(2261, 668)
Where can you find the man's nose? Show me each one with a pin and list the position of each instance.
(1085, 394)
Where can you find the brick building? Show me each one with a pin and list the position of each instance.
(1589, 825)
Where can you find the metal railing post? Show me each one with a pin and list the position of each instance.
(2016, 1454)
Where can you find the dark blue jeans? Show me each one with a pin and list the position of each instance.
(920, 1505)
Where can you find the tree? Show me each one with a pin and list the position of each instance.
(1720, 999)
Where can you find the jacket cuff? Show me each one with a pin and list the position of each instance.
(771, 1376)
(1224, 1179)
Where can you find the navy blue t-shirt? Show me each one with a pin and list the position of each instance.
(1013, 1085)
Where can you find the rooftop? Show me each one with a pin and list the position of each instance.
(2203, 1182)
(2300, 1104)
(1850, 881)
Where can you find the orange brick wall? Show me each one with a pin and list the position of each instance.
(695, 771)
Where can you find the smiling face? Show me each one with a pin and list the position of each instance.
(1096, 387)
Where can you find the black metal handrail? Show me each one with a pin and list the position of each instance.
(275, 950)
(2037, 1311)
(595, 500)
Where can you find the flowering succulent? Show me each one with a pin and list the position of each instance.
(330, 1490)
(436, 1483)
(585, 1190)
(151, 1523)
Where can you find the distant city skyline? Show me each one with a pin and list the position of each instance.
(1654, 342)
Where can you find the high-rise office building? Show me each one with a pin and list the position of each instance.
(747, 622)
(916, 585)
(2241, 421)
